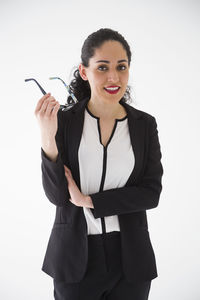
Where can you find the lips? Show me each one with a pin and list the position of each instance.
(112, 89)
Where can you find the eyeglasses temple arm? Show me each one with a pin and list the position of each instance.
(42, 90)
(67, 87)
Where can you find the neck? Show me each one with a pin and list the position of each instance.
(106, 110)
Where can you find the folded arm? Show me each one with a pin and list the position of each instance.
(141, 196)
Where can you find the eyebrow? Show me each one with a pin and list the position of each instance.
(107, 61)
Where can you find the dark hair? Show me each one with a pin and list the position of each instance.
(80, 87)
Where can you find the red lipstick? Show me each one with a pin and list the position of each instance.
(113, 89)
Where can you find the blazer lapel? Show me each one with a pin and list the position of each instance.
(137, 135)
(74, 137)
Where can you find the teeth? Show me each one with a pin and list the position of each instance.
(112, 89)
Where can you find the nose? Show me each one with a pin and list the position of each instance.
(113, 76)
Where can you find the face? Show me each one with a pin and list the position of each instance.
(107, 68)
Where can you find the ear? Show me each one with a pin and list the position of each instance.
(82, 71)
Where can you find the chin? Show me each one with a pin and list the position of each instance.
(114, 97)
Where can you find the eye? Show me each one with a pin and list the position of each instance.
(102, 68)
(122, 67)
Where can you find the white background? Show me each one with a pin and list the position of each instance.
(44, 38)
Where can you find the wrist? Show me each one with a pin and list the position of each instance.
(48, 142)
(89, 202)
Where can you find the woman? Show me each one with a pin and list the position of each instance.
(101, 167)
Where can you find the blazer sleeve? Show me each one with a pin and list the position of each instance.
(141, 196)
(53, 175)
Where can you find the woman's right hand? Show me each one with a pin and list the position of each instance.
(46, 114)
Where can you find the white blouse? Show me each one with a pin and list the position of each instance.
(104, 167)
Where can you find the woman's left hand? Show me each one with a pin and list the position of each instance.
(77, 198)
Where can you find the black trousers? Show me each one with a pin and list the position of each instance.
(104, 278)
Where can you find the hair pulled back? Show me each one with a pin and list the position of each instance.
(80, 87)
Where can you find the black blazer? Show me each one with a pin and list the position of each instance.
(67, 250)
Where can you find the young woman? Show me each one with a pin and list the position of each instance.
(101, 167)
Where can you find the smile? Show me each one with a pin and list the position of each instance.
(112, 90)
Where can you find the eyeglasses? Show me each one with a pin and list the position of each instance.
(69, 102)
